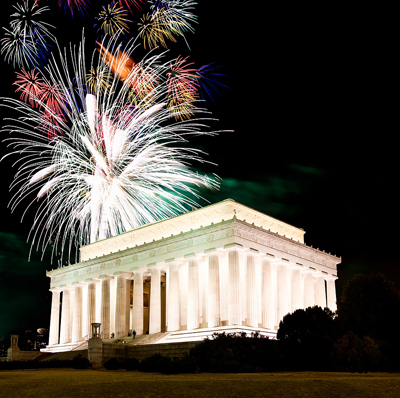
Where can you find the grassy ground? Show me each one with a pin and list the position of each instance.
(101, 383)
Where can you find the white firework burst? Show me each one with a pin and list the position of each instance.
(115, 164)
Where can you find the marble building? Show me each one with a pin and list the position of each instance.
(221, 267)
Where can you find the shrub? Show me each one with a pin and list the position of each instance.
(155, 363)
(80, 362)
(232, 353)
(131, 364)
(53, 363)
(112, 364)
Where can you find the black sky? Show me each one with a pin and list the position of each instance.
(311, 110)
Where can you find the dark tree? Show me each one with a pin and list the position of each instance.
(306, 338)
(370, 306)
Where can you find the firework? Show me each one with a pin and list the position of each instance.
(182, 87)
(98, 79)
(113, 20)
(209, 80)
(129, 3)
(26, 20)
(114, 166)
(174, 15)
(30, 84)
(152, 32)
(70, 5)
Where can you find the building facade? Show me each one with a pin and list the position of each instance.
(221, 266)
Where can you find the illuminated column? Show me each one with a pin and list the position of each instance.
(234, 288)
(66, 324)
(331, 292)
(137, 323)
(297, 299)
(213, 291)
(252, 305)
(193, 295)
(282, 291)
(268, 294)
(105, 307)
(54, 317)
(308, 280)
(120, 305)
(77, 322)
(155, 300)
(173, 297)
(91, 305)
(319, 292)
(128, 321)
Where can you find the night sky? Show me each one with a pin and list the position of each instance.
(310, 137)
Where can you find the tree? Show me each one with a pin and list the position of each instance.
(370, 306)
(306, 338)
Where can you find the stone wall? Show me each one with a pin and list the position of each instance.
(140, 352)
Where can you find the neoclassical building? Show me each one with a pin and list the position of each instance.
(221, 267)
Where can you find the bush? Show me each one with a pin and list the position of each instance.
(112, 364)
(155, 363)
(131, 364)
(232, 353)
(80, 362)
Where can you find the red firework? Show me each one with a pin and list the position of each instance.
(182, 87)
(30, 84)
(129, 3)
(52, 98)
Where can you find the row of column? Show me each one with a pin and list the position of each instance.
(284, 288)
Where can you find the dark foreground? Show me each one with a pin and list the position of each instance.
(101, 383)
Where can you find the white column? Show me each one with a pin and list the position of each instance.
(213, 291)
(331, 293)
(282, 291)
(193, 295)
(268, 294)
(120, 303)
(137, 323)
(234, 288)
(173, 298)
(155, 300)
(54, 317)
(91, 305)
(297, 299)
(252, 305)
(77, 322)
(319, 292)
(183, 295)
(128, 322)
(66, 324)
(105, 307)
(308, 280)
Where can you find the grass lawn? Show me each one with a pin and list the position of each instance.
(101, 383)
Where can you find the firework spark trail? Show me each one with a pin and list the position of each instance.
(114, 166)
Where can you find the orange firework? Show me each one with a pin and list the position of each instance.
(140, 79)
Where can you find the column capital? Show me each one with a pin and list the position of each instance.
(90, 281)
(124, 274)
(330, 276)
(233, 246)
(105, 276)
(267, 256)
(56, 289)
(249, 251)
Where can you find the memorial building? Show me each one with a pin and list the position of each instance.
(223, 267)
